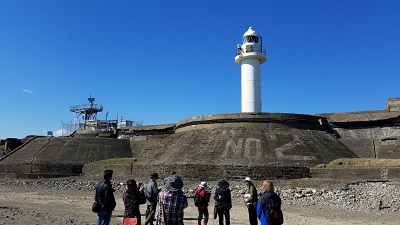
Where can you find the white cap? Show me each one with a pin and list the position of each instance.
(203, 184)
(248, 179)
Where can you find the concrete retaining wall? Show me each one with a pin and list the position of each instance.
(199, 172)
(62, 156)
(374, 142)
(97, 170)
(390, 173)
(393, 104)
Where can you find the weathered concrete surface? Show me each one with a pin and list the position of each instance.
(199, 172)
(248, 139)
(373, 134)
(370, 117)
(393, 105)
(63, 156)
(389, 173)
(271, 145)
(96, 170)
(262, 145)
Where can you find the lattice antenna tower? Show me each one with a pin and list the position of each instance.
(88, 111)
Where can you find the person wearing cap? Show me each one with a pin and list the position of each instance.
(251, 200)
(151, 193)
(171, 202)
(202, 190)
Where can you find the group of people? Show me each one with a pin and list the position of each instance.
(171, 201)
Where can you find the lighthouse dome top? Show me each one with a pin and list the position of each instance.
(250, 36)
(250, 32)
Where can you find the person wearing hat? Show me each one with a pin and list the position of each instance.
(251, 200)
(223, 201)
(202, 191)
(151, 193)
(171, 202)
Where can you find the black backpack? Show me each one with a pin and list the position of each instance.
(226, 196)
(198, 200)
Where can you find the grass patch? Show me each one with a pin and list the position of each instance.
(116, 161)
(362, 163)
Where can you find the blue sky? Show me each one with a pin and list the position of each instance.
(163, 61)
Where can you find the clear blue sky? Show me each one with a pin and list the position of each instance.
(163, 61)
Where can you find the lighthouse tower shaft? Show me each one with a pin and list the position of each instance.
(250, 55)
(251, 90)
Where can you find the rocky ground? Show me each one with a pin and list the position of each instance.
(305, 201)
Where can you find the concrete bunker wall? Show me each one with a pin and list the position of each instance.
(271, 145)
(62, 156)
(379, 142)
(356, 173)
(200, 172)
(236, 145)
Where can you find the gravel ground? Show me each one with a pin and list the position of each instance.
(305, 201)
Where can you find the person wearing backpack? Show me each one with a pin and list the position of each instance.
(201, 200)
(269, 206)
(224, 202)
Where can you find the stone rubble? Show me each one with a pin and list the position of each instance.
(378, 196)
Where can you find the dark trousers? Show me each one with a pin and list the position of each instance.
(221, 213)
(202, 212)
(252, 215)
(150, 212)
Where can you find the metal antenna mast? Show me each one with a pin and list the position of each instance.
(88, 111)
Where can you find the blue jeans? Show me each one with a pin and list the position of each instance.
(104, 217)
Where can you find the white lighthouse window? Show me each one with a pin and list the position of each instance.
(250, 39)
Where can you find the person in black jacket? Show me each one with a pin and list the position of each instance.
(224, 202)
(133, 197)
(105, 194)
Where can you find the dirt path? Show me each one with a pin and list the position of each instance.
(21, 205)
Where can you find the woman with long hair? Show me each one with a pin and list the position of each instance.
(269, 206)
(133, 197)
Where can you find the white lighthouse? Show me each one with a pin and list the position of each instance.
(250, 55)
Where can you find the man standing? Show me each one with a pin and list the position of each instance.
(251, 200)
(105, 194)
(172, 202)
(151, 193)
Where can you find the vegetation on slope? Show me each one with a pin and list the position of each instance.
(363, 163)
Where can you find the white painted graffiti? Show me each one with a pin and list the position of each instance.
(286, 147)
(253, 149)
